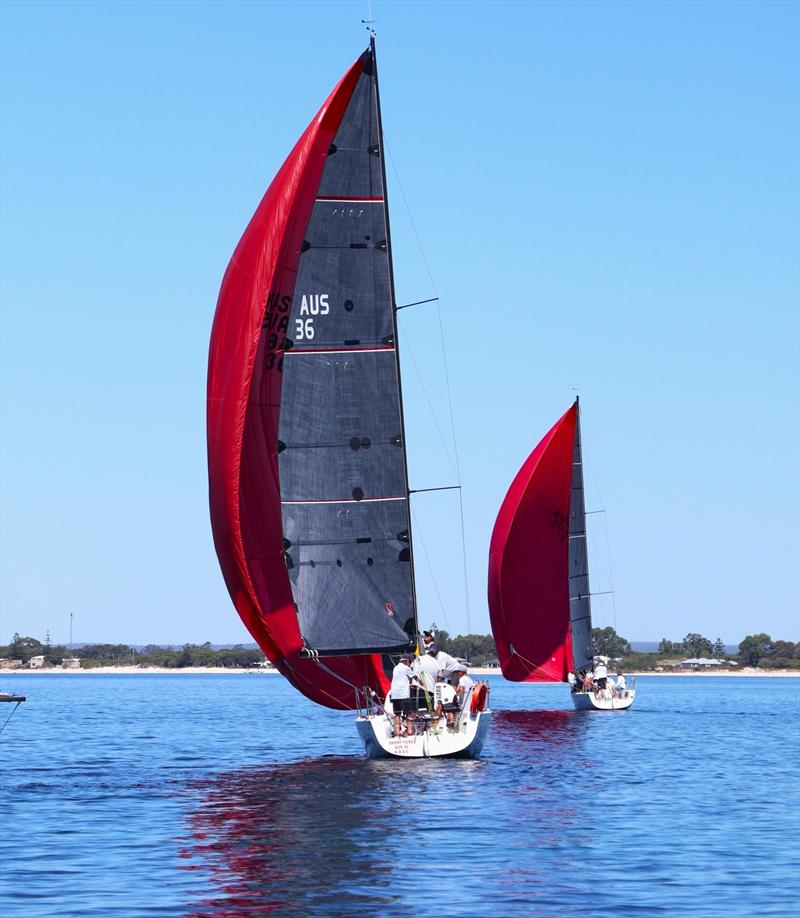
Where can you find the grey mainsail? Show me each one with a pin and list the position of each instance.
(343, 477)
(580, 607)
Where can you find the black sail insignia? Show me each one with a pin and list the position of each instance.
(343, 480)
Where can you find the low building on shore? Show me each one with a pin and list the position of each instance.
(71, 663)
(700, 663)
(36, 662)
(5, 663)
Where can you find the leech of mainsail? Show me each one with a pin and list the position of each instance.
(303, 351)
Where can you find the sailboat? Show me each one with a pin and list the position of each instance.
(308, 477)
(539, 597)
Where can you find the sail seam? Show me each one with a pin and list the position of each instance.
(340, 350)
(345, 500)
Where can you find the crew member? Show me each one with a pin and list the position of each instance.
(463, 690)
(448, 665)
(428, 672)
(402, 677)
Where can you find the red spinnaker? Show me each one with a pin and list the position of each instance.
(244, 390)
(528, 563)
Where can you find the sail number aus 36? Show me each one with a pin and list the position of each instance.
(312, 304)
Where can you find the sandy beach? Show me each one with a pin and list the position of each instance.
(258, 671)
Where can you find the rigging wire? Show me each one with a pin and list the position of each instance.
(447, 384)
(410, 351)
(10, 716)
(430, 568)
(608, 546)
(542, 669)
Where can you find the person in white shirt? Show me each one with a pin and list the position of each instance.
(448, 665)
(622, 683)
(600, 675)
(427, 668)
(463, 691)
(402, 676)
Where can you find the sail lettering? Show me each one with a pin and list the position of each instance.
(277, 306)
(304, 329)
(314, 304)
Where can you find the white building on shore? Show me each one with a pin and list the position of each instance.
(700, 663)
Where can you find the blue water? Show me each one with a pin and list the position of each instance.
(232, 795)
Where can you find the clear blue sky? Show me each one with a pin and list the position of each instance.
(607, 196)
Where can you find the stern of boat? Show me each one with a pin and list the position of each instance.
(430, 740)
(588, 701)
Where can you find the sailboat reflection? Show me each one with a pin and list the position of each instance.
(297, 838)
(540, 738)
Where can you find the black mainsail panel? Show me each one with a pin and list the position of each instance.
(579, 598)
(343, 479)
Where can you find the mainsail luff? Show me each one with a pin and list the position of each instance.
(579, 593)
(247, 480)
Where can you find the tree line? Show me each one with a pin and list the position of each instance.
(754, 650)
(95, 655)
(479, 649)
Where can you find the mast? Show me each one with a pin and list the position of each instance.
(580, 603)
(394, 326)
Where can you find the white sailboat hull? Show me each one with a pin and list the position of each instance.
(588, 701)
(377, 735)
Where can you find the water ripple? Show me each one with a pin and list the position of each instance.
(215, 796)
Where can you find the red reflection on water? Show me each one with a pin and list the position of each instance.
(542, 728)
(268, 836)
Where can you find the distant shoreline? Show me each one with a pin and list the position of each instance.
(258, 671)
